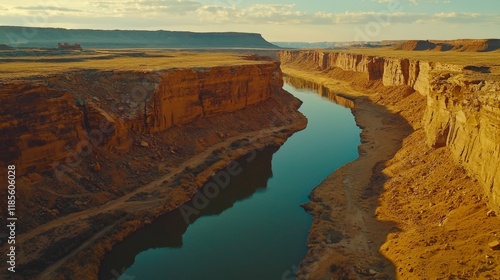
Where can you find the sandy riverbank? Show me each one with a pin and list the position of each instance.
(402, 210)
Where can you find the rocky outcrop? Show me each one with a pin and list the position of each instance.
(463, 106)
(391, 71)
(464, 115)
(46, 121)
(373, 66)
(184, 95)
(37, 124)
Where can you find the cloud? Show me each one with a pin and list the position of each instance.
(226, 12)
(259, 13)
(147, 7)
(47, 8)
(287, 14)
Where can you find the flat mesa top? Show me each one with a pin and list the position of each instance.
(24, 63)
(491, 59)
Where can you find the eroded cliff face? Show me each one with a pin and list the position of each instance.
(45, 121)
(463, 106)
(464, 114)
(373, 66)
(37, 124)
(182, 96)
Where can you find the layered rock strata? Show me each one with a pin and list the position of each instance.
(463, 106)
(44, 119)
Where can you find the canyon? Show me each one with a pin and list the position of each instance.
(407, 211)
(462, 105)
(101, 153)
(103, 149)
(105, 107)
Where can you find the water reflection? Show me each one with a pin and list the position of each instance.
(240, 238)
(168, 230)
(320, 89)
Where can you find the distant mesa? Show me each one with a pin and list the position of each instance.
(463, 45)
(66, 46)
(49, 37)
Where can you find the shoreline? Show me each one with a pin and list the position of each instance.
(249, 142)
(344, 231)
(98, 228)
(402, 210)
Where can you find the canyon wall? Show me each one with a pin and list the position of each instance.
(182, 96)
(37, 124)
(463, 106)
(46, 121)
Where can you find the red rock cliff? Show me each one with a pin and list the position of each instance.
(37, 124)
(42, 121)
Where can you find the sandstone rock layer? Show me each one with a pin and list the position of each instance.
(463, 106)
(49, 121)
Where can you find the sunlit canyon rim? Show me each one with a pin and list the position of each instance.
(462, 110)
(102, 153)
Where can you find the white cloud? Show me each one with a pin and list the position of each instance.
(181, 12)
(259, 13)
(446, 15)
(47, 8)
(287, 14)
(144, 7)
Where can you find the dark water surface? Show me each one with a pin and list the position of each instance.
(255, 228)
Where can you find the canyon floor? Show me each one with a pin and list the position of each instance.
(402, 210)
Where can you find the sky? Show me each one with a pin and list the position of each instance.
(276, 20)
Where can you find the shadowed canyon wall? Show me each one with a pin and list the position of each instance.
(44, 118)
(463, 106)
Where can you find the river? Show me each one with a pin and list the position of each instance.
(254, 228)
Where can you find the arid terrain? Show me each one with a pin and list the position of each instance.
(105, 141)
(92, 170)
(417, 203)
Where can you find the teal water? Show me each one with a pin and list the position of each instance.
(254, 228)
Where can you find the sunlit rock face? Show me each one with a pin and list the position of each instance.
(463, 106)
(42, 121)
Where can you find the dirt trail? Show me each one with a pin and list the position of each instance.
(255, 139)
(144, 184)
(122, 203)
(48, 273)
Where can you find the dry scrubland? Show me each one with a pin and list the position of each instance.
(18, 64)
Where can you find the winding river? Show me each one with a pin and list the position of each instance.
(255, 228)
